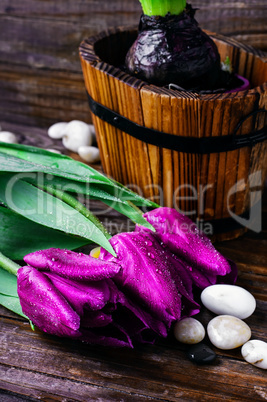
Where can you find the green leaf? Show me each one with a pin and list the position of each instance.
(8, 292)
(124, 193)
(91, 189)
(117, 203)
(131, 212)
(51, 160)
(162, 7)
(20, 236)
(12, 303)
(8, 283)
(97, 191)
(36, 165)
(40, 160)
(47, 210)
(9, 163)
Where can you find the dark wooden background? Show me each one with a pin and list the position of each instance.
(40, 74)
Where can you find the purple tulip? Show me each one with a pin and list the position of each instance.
(183, 238)
(152, 276)
(135, 296)
(160, 270)
(71, 265)
(94, 311)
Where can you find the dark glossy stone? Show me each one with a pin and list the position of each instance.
(201, 354)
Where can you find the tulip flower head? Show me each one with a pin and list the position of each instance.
(87, 307)
(135, 296)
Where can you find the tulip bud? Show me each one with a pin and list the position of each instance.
(83, 305)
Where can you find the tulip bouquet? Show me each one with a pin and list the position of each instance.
(131, 295)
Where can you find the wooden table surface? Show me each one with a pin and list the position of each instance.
(36, 366)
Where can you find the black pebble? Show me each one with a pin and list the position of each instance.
(201, 354)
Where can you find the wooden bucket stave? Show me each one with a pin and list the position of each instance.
(197, 184)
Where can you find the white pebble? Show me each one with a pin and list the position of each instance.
(57, 130)
(228, 332)
(229, 299)
(89, 154)
(55, 151)
(189, 330)
(7, 136)
(77, 134)
(255, 352)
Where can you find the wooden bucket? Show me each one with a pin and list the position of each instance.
(215, 186)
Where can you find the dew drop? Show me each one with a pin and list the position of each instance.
(148, 243)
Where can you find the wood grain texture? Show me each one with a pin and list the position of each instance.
(35, 366)
(40, 73)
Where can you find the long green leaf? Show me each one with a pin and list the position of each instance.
(126, 208)
(125, 193)
(60, 170)
(9, 163)
(47, 210)
(132, 213)
(8, 283)
(12, 303)
(72, 186)
(41, 160)
(95, 193)
(8, 292)
(95, 190)
(20, 236)
(78, 206)
(50, 159)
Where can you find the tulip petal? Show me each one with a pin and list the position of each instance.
(201, 279)
(110, 335)
(91, 295)
(44, 305)
(183, 281)
(127, 323)
(138, 323)
(183, 238)
(145, 275)
(72, 265)
(231, 277)
(92, 319)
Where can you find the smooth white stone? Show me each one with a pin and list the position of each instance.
(229, 299)
(89, 154)
(255, 352)
(77, 134)
(189, 330)
(55, 151)
(7, 136)
(57, 130)
(228, 332)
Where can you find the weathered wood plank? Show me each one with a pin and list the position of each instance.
(233, 17)
(43, 98)
(160, 371)
(52, 388)
(40, 35)
(7, 396)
